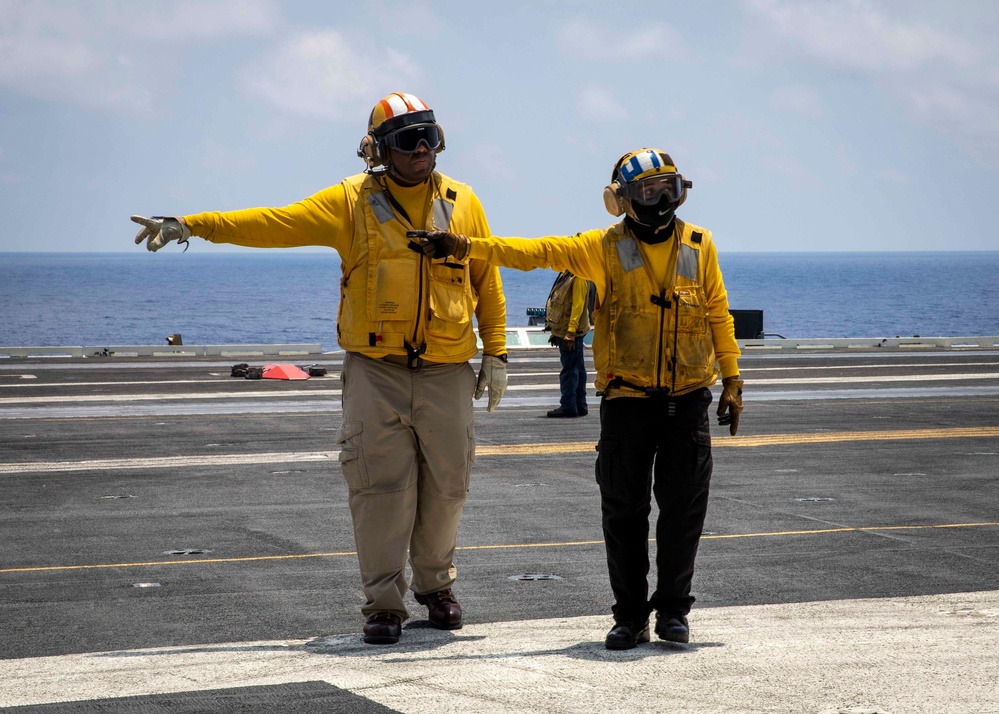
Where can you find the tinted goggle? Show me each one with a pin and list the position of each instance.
(648, 191)
(408, 139)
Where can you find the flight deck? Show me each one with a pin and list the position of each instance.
(178, 539)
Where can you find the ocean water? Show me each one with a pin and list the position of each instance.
(73, 299)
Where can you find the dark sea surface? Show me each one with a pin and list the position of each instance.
(76, 299)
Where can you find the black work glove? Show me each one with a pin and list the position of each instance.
(730, 402)
(442, 244)
(553, 341)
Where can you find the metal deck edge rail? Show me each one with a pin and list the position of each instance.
(516, 338)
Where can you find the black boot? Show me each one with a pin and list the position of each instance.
(626, 636)
(672, 628)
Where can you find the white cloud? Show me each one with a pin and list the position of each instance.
(598, 104)
(113, 55)
(944, 75)
(322, 75)
(799, 99)
(856, 35)
(583, 39)
(198, 20)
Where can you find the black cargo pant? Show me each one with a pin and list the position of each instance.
(645, 447)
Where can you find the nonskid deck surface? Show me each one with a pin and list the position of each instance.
(178, 539)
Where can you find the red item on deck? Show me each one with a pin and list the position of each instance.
(283, 371)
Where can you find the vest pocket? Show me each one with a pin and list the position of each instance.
(695, 356)
(692, 313)
(450, 308)
(352, 455)
(634, 340)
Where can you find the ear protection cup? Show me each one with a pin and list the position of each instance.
(613, 202)
(369, 151)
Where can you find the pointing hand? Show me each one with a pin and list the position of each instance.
(442, 244)
(160, 230)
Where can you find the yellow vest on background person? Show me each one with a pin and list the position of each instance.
(649, 336)
(558, 310)
(387, 287)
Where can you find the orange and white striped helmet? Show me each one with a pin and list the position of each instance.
(396, 111)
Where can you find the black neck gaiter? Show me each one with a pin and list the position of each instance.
(651, 234)
(654, 224)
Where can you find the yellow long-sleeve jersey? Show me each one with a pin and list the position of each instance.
(340, 217)
(678, 272)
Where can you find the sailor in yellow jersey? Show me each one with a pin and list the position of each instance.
(406, 322)
(566, 316)
(662, 333)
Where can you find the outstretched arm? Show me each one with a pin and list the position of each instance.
(325, 218)
(581, 253)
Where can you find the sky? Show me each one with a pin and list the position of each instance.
(807, 125)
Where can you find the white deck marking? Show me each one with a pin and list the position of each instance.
(919, 655)
(190, 396)
(333, 393)
(167, 462)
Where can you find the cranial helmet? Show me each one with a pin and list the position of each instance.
(644, 177)
(400, 122)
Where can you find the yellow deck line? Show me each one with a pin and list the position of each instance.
(719, 441)
(498, 546)
(482, 450)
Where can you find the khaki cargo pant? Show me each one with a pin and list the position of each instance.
(406, 448)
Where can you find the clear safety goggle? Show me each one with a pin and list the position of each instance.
(408, 138)
(648, 191)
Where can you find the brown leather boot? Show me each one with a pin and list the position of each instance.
(383, 628)
(443, 609)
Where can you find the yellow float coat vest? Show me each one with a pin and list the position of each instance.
(648, 336)
(558, 311)
(391, 294)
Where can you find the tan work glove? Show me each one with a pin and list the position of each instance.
(160, 230)
(492, 378)
(442, 244)
(731, 402)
